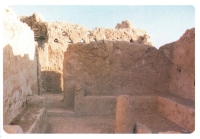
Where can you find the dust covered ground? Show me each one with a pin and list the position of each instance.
(60, 120)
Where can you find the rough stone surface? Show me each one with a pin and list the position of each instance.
(13, 129)
(37, 24)
(113, 68)
(182, 115)
(53, 39)
(32, 120)
(142, 129)
(124, 24)
(19, 65)
(97, 67)
(125, 34)
(124, 115)
(182, 70)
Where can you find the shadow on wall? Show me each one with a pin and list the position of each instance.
(51, 81)
(20, 79)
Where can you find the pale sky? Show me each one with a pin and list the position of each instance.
(164, 24)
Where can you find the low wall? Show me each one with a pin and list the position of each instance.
(33, 119)
(101, 105)
(106, 105)
(181, 115)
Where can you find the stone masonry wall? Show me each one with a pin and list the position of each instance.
(182, 70)
(114, 68)
(19, 65)
(53, 39)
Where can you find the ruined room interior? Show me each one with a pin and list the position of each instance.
(63, 78)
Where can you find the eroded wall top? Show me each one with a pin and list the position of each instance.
(75, 33)
(124, 24)
(53, 39)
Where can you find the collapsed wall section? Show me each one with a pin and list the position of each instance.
(113, 68)
(182, 69)
(19, 65)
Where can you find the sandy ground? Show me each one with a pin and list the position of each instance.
(61, 120)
